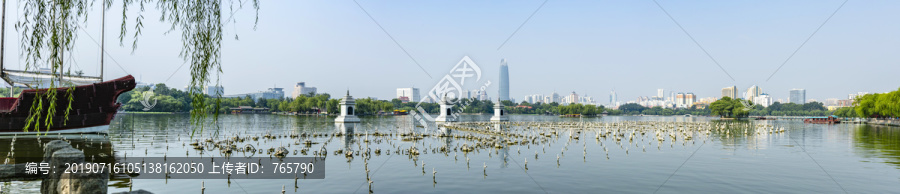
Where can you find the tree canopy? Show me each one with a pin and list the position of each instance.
(878, 105)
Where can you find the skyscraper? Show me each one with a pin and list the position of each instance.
(661, 93)
(689, 99)
(752, 93)
(504, 80)
(613, 98)
(411, 94)
(798, 96)
(554, 98)
(730, 92)
(679, 100)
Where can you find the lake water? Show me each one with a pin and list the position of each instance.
(805, 158)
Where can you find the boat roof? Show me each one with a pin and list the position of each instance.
(823, 117)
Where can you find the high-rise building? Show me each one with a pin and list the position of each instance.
(689, 99)
(504, 80)
(534, 98)
(679, 100)
(858, 94)
(270, 93)
(412, 94)
(571, 98)
(554, 98)
(685, 100)
(613, 98)
(798, 96)
(763, 99)
(752, 93)
(660, 93)
(301, 89)
(215, 91)
(730, 92)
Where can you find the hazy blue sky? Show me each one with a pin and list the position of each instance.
(590, 47)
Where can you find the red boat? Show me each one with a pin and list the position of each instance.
(93, 101)
(93, 107)
(822, 120)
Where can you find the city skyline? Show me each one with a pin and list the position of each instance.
(549, 55)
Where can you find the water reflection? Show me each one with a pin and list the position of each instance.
(30, 148)
(486, 157)
(878, 142)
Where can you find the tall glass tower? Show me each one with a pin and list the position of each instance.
(504, 80)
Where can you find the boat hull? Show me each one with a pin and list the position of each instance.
(825, 120)
(93, 107)
(94, 129)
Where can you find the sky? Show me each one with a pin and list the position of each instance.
(589, 47)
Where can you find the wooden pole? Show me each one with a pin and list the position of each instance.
(102, 39)
(3, 39)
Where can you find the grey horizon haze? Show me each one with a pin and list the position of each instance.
(590, 47)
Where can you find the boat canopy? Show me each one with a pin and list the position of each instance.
(42, 79)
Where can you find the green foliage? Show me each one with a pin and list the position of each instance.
(167, 99)
(4, 92)
(878, 105)
(632, 108)
(729, 108)
(580, 109)
(845, 112)
(173, 100)
(49, 29)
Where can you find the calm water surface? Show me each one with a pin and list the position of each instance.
(806, 158)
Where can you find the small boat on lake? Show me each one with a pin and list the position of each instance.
(822, 120)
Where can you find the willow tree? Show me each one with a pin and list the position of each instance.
(49, 28)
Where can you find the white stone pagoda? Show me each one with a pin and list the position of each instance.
(499, 113)
(348, 108)
(446, 110)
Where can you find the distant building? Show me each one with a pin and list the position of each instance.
(798, 96)
(831, 102)
(215, 91)
(707, 100)
(270, 93)
(571, 98)
(690, 99)
(752, 93)
(411, 94)
(554, 98)
(763, 99)
(685, 100)
(531, 99)
(613, 98)
(301, 89)
(661, 93)
(858, 94)
(479, 95)
(142, 84)
(730, 92)
(504, 80)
